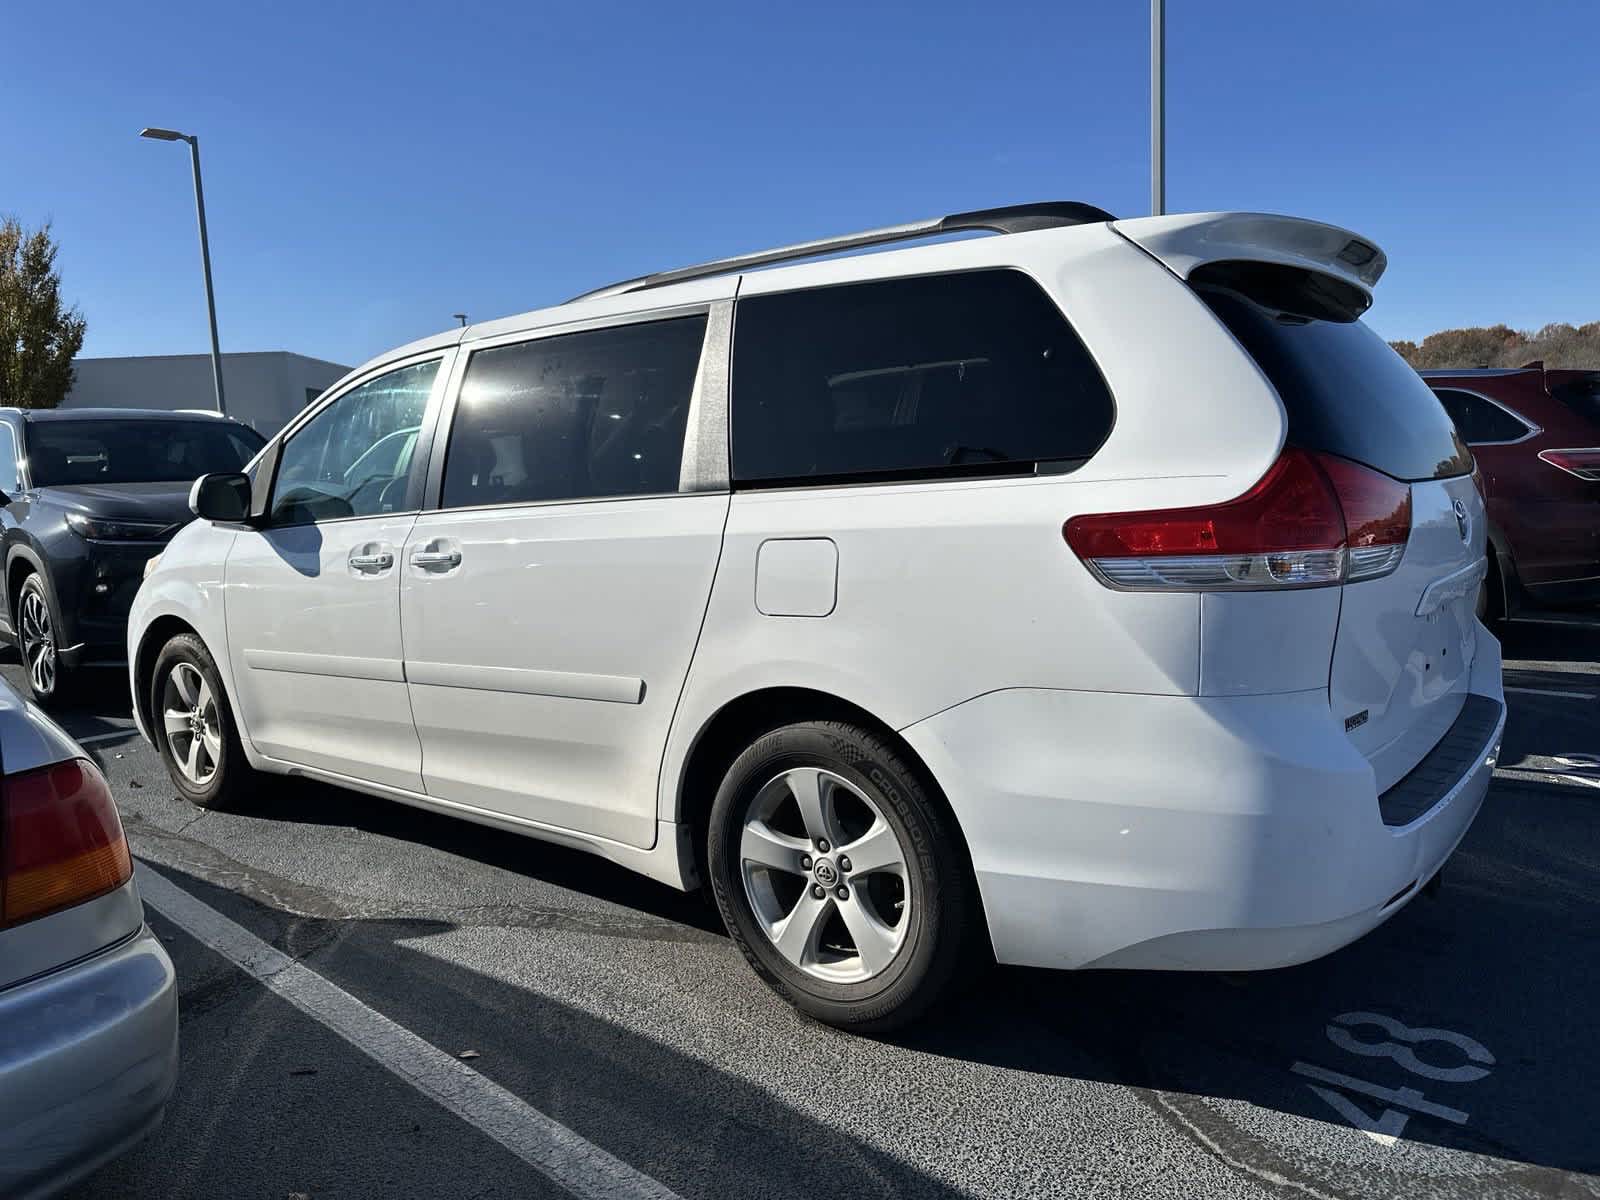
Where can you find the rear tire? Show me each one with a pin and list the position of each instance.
(865, 944)
(192, 723)
(1492, 594)
(38, 630)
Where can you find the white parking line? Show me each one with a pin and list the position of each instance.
(107, 737)
(566, 1158)
(1528, 691)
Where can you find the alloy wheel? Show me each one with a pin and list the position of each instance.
(825, 875)
(189, 716)
(38, 642)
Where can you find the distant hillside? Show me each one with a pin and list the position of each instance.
(1501, 346)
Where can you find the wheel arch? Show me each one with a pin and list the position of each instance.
(157, 634)
(740, 720)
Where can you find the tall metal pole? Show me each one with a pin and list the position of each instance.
(1158, 107)
(205, 260)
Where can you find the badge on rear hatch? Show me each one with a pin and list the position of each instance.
(1463, 522)
(1355, 722)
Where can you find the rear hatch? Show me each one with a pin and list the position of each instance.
(1291, 293)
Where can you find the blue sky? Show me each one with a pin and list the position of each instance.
(371, 169)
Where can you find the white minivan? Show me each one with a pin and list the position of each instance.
(1094, 594)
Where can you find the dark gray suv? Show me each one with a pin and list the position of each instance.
(87, 497)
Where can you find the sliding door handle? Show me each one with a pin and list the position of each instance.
(436, 560)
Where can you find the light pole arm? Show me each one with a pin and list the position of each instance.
(205, 262)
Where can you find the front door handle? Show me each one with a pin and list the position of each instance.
(436, 560)
(372, 561)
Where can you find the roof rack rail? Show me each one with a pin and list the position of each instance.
(1013, 218)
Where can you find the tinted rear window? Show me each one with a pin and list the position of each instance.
(1582, 395)
(967, 374)
(1346, 391)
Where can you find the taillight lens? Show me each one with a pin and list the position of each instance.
(1585, 463)
(1311, 520)
(61, 842)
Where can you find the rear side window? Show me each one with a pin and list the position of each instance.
(1480, 421)
(577, 416)
(1346, 391)
(966, 374)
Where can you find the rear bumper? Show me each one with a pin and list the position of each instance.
(1185, 833)
(88, 1060)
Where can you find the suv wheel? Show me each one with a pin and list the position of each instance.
(48, 677)
(194, 728)
(839, 876)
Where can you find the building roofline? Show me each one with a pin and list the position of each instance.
(203, 355)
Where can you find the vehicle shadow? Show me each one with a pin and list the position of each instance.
(1503, 957)
(311, 803)
(680, 1120)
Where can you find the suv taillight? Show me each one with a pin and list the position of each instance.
(1585, 463)
(1312, 520)
(61, 842)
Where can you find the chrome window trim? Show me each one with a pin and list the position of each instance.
(1534, 430)
(416, 489)
(433, 493)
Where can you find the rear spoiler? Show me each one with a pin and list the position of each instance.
(1191, 240)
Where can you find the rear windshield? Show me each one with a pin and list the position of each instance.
(1346, 391)
(1582, 395)
(132, 451)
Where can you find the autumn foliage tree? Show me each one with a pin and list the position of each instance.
(39, 337)
(1556, 345)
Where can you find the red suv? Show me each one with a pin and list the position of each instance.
(1536, 436)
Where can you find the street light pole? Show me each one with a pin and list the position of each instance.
(170, 135)
(1158, 107)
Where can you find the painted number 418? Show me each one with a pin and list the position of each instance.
(1402, 1045)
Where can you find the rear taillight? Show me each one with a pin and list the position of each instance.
(1585, 463)
(60, 841)
(1311, 520)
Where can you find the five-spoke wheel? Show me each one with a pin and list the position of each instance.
(193, 726)
(825, 874)
(839, 874)
(189, 716)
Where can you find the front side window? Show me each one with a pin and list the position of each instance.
(357, 456)
(973, 373)
(66, 452)
(1480, 422)
(576, 416)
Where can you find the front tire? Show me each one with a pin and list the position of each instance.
(840, 876)
(38, 630)
(194, 727)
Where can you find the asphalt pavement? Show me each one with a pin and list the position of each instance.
(444, 1010)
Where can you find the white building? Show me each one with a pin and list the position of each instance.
(262, 389)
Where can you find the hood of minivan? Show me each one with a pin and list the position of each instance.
(164, 502)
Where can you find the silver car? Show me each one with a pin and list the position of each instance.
(88, 1000)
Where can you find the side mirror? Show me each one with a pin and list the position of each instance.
(224, 496)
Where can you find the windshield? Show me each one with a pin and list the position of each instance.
(135, 451)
